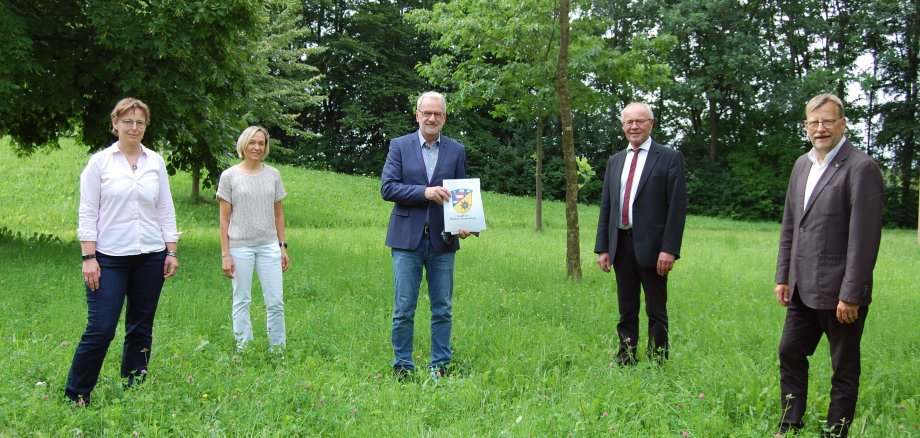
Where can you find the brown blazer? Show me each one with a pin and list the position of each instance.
(827, 252)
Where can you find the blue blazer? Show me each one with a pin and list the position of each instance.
(403, 182)
(659, 208)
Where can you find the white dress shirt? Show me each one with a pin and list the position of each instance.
(125, 211)
(640, 164)
(814, 174)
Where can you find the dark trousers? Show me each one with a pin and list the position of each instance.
(630, 278)
(801, 333)
(137, 279)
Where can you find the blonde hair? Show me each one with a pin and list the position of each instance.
(128, 104)
(247, 135)
(819, 100)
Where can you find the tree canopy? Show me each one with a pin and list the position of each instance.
(195, 63)
(727, 79)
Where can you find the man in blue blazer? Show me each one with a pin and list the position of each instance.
(639, 232)
(832, 229)
(415, 167)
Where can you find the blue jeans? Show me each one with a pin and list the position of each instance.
(137, 279)
(407, 277)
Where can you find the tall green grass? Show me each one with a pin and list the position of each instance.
(532, 350)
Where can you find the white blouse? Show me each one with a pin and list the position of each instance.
(126, 212)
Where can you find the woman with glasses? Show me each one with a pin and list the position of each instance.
(128, 236)
(252, 236)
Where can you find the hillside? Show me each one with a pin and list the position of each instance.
(533, 350)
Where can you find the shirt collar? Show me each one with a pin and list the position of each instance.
(113, 149)
(813, 154)
(645, 145)
(422, 142)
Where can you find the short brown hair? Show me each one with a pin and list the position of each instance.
(819, 100)
(128, 104)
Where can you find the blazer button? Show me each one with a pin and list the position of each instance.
(802, 230)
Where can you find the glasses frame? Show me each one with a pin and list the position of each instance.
(637, 122)
(128, 123)
(428, 114)
(827, 124)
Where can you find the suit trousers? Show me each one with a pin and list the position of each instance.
(631, 278)
(802, 331)
(137, 279)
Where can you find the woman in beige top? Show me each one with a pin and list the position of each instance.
(252, 235)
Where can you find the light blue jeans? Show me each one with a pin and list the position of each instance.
(407, 277)
(266, 261)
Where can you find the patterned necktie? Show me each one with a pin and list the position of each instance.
(624, 212)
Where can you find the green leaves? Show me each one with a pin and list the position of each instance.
(191, 61)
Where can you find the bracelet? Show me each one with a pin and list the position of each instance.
(282, 244)
(88, 256)
(172, 254)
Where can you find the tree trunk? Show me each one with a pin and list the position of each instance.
(196, 182)
(572, 253)
(713, 131)
(870, 108)
(538, 184)
(912, 101)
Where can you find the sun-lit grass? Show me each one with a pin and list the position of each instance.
(532, 350)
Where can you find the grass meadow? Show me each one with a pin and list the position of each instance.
(533, 351)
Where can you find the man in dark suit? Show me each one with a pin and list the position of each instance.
(415, 167)
(641, 225)
(832, 226)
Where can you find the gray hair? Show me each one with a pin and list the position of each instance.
(644, 105)
(432, 94)
(819, 101)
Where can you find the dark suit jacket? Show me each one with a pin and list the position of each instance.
(403, 181)
(828, 251)
(659, 207)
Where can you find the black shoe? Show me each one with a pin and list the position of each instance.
(786, 430)
(77, 400)
(625, 360)
(658, 359)
(839, 430)
(401, 372)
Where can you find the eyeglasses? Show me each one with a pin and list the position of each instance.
(637, 122)
(813, 124)
(128, 123)
(427, 114)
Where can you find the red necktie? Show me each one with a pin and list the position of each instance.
(624, 212)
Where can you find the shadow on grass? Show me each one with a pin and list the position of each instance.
(39, 244)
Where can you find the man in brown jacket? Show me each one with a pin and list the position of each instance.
(832, 225)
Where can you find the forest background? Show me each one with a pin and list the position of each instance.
(334, 80)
